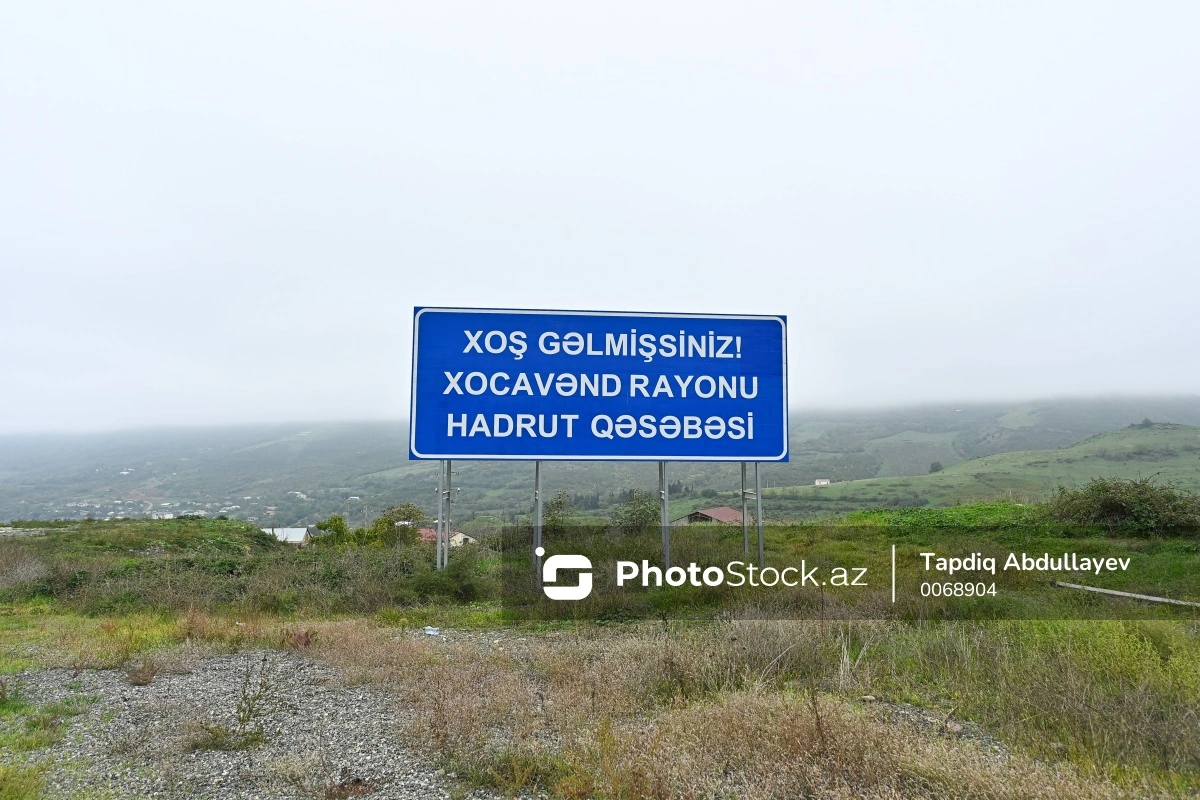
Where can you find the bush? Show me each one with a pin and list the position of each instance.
(335, 524)
(639, 513)
(1140, 506)
(310, 580)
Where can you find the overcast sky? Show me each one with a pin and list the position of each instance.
(224, 212)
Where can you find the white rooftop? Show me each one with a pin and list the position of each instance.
(289, 535)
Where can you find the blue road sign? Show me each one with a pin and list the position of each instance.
(598, 385)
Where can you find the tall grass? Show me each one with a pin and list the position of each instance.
(315, 582)
(22, 781)
(748, 708)
(768, 708)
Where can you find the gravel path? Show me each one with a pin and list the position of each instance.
(321, 738)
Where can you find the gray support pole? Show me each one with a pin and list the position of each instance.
(664, 514)
(449, 494)
(762, 561)
(537, 524)
(745, 521)
(441, 514)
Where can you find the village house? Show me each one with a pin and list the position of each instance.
(721, 514)
(296, 536)
(457, 539)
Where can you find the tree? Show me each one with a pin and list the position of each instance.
(935, 467)
(639, 513)
(335, 525)
(558, 512)
(406, 514)
(397, 524)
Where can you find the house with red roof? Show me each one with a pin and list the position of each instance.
(456, 539)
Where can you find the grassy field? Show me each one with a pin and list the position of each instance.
(888, 705)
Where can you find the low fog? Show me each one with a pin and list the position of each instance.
(225, 212)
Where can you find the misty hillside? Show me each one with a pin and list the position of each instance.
(290, 474)
(1168, 453)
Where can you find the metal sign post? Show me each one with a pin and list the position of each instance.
(441, 513)
(745, 521)
(664, 513)
(537, 524)
(443, 524)
(758, 517)
(446, 539)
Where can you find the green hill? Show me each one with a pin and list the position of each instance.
(1168, 452)
(300, 473)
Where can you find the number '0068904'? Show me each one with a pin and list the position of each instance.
(958, 589)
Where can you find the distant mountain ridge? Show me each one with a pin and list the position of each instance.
(295, 474)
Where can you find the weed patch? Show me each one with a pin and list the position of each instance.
(35, 727)
(141, 672)
(21, 781)
(764, 709)
(257, 697)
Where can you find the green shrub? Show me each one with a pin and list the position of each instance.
(314, 580)
(1140, 507)
(335, 524)
(639, 513)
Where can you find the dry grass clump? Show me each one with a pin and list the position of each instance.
(19, 566)
(694, 662)
(141, 672)
(297, 638)
(231, 632)
(1116, 694)
(314, 776)
(738, 709)
(754, 744)
(172, 641)
(369, 654)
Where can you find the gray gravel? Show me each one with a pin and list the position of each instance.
(20, 532)
(323, 738)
